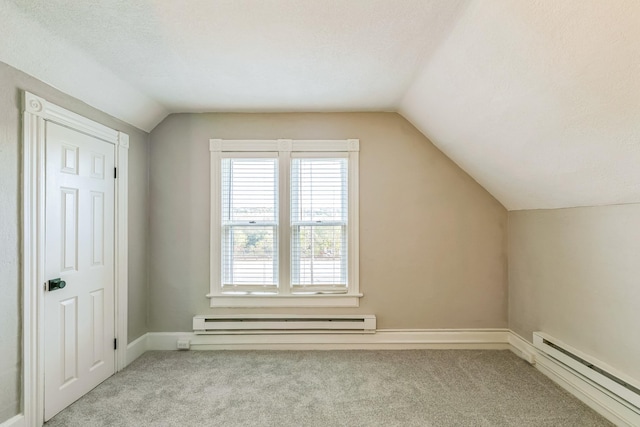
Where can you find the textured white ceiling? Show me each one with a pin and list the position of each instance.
(27, 46)
(538, 100)
(256, 55)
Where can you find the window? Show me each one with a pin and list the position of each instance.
(319, 208)
(284, 229)
(250, 224)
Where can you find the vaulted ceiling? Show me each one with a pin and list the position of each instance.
(539, 101)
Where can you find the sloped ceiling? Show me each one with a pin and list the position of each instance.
(253, 55)
(538, 100)
(28, 46)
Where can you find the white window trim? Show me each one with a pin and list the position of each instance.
(284, 148)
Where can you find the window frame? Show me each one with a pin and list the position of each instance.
(283, 149)
(227, 225)
(301, 288)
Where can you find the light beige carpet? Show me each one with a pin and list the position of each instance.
(328, 388)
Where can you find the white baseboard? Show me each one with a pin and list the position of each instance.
(136, 348)
(602, 401)
(17, 421)
(384, 339)
(522, 348)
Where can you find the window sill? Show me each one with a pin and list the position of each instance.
(328, 300)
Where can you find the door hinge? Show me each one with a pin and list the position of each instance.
(115, 173)
(115, 343)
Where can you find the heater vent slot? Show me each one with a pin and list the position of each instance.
(593, 367)
(283, 324)
(624, 388)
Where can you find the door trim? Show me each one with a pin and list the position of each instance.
(36, 112)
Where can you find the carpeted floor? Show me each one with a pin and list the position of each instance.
(328, 388)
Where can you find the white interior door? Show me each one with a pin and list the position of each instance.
(79, 250)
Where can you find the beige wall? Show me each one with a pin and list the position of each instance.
(432, 241)
(12, 82)
(138, 236)
(575, 274)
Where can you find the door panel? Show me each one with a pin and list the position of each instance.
(69, 204)
(98, 327)
(68, 341)
(97, 228)
(79, 249)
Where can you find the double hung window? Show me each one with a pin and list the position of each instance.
(284, 226)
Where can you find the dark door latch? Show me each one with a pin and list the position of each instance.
(56, 284)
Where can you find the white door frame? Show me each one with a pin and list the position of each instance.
(36, 111)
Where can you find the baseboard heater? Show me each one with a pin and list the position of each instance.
(606, 377)
(283, 324)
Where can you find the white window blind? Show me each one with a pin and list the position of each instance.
(319, 213)
(249, 224)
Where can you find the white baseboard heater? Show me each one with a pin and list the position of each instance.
(283, 324)
(603, 375)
